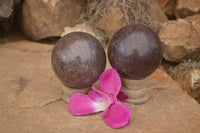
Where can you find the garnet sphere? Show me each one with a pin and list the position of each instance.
(78, 59)
(135, 51)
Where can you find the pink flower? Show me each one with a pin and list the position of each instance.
(116, 114)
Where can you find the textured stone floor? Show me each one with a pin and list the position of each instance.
(30, 99)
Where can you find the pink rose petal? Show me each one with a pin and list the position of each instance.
(110, 82)
(81, 104)
(111, 97)
(122, 96)
(99, 91)
(117, 115)
(98, 96)
(101, 101)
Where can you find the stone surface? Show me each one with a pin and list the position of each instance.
(195, 22)
(187, 74)
(181, 38)
(30, 99)
(6, 13)
(162, 3)
(47, 18)
(88, 28)
(156, 14)
(17, 1)
(21, 75)
(135, 51)
(111, 22)
(10, 36)
(169, 7)
(186, 8)
(167, 66)
(84, 2)
(6, 8)
(78, 59)
(121, 13)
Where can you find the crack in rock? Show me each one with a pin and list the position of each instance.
(51, 102)
(32, 107)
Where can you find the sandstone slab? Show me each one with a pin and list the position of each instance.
(47, 18)
(30, 99)
(181, 38)
(186, 8)
(21, 79)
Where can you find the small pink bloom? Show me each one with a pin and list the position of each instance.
(108, 99)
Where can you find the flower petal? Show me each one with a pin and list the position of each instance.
(97, 95)
(122, 96)
(101, 101)
(81, 104)
(117, 115)
(110, 98)
(110, 82)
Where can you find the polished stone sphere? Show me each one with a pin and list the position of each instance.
(78, 59)
(135, 51)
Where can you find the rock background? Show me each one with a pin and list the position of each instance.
(110, 15)
(47, 18)
(186, 8)
(168, 7)
(181, 38)
(8, 13)
(187, 74)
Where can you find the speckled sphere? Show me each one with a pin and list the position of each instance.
(135, 51)
(78, 59)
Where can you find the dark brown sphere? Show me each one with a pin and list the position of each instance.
(135, 51)
(78, 59)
